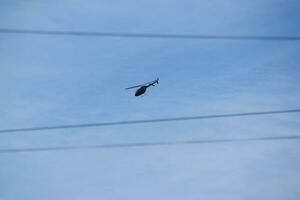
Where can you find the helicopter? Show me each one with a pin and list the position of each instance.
(143, 87)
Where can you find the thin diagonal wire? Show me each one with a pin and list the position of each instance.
(148, 144)
(146, 35)
(149, 121)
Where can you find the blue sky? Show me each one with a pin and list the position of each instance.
(46, 80)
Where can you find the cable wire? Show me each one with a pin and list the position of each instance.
(146, 35)
(201, 117)
(148, 144)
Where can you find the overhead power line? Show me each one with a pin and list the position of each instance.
(146, 35)
(201, 117)
(148, 144)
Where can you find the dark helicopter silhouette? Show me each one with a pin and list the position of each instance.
(143, 87)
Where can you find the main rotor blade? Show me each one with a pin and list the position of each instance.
(133, 87)
(151, 82)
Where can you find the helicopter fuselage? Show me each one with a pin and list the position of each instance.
(141, 90)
